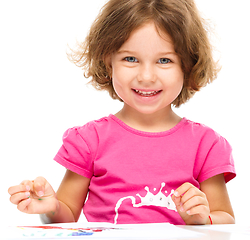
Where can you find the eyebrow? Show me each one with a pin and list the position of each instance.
(133, 52)
(125, 51)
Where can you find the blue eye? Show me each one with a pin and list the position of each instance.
(131, 59)
(164, 60)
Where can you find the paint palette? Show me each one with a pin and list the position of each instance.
(96, 231)
(48, 231)
(54, 231)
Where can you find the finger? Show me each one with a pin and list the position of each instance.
(22, 206)
(176, 200)
(39, 186)
(193, 202)
(18, 197)
(182, 189)
(18, 188)
(190, 193)
(202, 210)
(28, 183)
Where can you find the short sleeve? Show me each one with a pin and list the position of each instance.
(75, 154)
(219, 159)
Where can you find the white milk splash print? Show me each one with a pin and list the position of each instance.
(159, 200)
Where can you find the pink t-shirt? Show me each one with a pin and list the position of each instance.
(133, 173)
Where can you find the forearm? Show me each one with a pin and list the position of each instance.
(220, 217)
(62, 214)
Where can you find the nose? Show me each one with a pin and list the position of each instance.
(146, 73)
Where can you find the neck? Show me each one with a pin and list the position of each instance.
(157, 122)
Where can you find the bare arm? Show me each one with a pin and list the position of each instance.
(221, 211)
(38, 197)
(71, 196)
(195, 206)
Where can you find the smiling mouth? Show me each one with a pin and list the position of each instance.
(147, 94)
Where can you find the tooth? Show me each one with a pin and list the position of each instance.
(146, 93)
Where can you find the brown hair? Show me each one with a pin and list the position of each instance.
(178, 18)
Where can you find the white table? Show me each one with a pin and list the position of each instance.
(128, 231)
(220, 232)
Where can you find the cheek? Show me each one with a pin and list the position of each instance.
(122, 76)
(179, 85)
(174, 79)
(117, 87)
(119, 83)
(180, 81)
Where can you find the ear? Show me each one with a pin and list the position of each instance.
(108, 60)
(108, 64)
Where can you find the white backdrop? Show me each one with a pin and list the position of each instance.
(43, 94)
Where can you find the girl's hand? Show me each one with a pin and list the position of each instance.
(191, 204)
(34, 197)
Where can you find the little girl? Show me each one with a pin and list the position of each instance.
(144, 164)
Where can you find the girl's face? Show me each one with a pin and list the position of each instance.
(146, 71)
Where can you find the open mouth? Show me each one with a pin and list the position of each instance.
(148, 93)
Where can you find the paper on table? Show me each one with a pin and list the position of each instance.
(99, 231)
(229, 228)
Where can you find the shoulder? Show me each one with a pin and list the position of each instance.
(213, 153)
(90, 129)
(205, 136)
(96, 126)
(201, 130)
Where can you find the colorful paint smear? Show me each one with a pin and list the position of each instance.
(56, 231)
